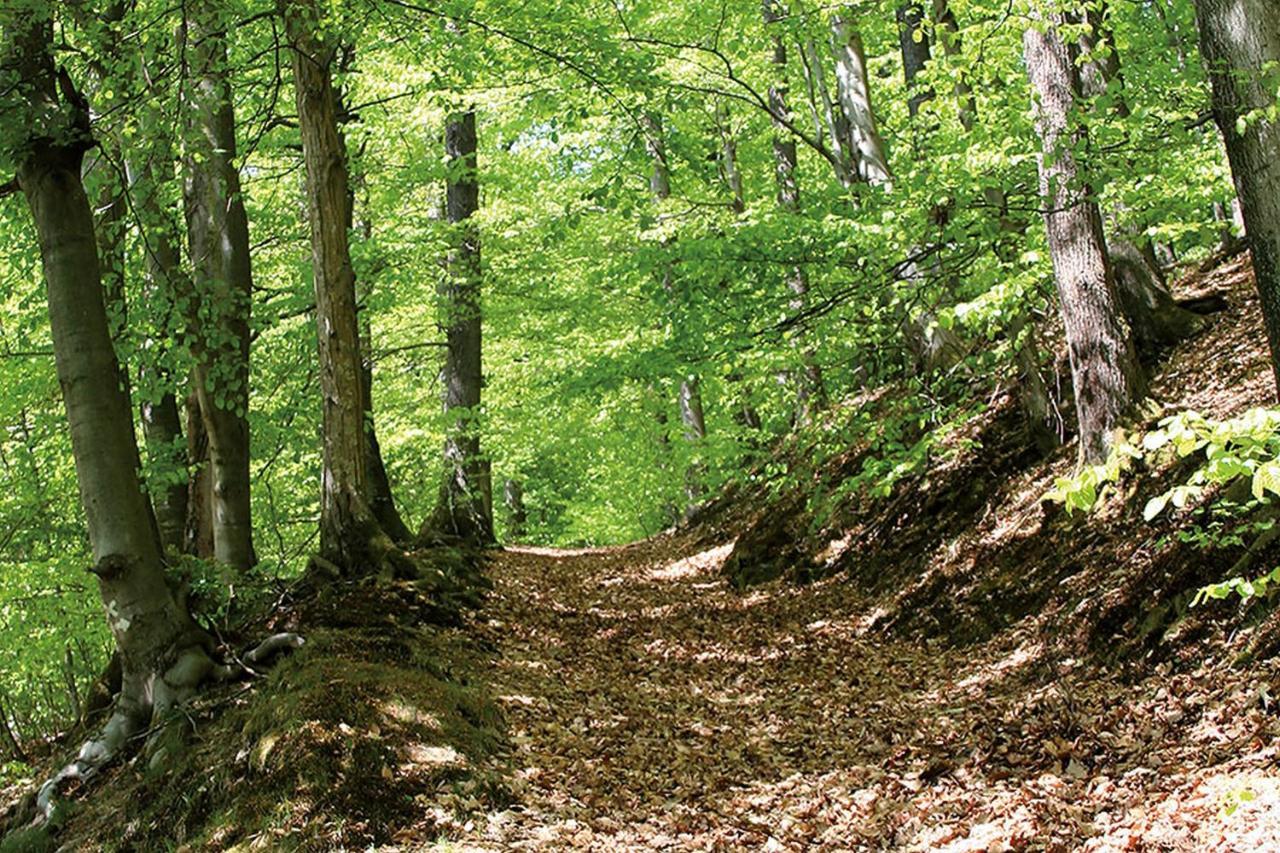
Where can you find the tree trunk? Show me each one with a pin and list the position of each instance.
(837, 127)
(161, 649)
(1104, 368)
(350, 537)
(517, 517)
(729, 158)
(855, 100)
(948, 34)
(163, 280)
(914, 44)
(464, 508)
(198, 539)
(810, 393)
(218, 315)
(1238, 39)
(695, 431)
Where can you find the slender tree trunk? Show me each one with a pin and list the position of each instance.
(198, 539)
(161, 649)
(1105, 372)
(163, 280)
(695, 432)
(855, 99)
(1238, 39)
(948, 34)
(517, 517)
(914, 44)
(465, 506)
(837, 127)
(810, 393)
(729, 158)
(218, 316)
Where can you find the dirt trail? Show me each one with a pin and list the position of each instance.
(651, 707)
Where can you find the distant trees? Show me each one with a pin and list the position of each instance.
(1240, 42)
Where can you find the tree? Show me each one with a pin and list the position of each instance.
(913, 42)
(464, 508)
(855, 99)
(163, 653)
(810, 392)
(1240, 41)
(351, 538)
(218, 308)
(1104, 368)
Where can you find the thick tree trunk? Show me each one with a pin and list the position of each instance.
(218, 315)
(913, 41)
(855, 100)
(350, 537)
(1105, 372)
(161, 649)
(465, 506)
(948, 34)
(1238, 39)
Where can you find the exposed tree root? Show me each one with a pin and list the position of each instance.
(145, 708)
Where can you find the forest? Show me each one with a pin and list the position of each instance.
(634, 425)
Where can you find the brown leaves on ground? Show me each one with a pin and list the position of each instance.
(652, 707)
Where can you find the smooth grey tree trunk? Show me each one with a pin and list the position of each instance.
(1105, 373)
(854, 90)
(464, 508)
(517, 516)
(1239, 38)
(162, 651)
(218, 313)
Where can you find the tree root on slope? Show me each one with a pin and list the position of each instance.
(146, 708)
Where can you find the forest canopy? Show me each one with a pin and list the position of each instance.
(320, 284)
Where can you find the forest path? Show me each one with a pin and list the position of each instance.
(652, 707)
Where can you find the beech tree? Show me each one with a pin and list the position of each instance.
(1240, 41)
(351, 539)
(1104, 368)
(164, 655)
(464, 508)
(218, 307)
(810, 393)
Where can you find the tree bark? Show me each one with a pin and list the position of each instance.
(350, 536)
(218, 314)
(810, 393)
(149, 173)
(161, 649)
(1238, 39)
(855, 100)
(695, 431)
(1105, 372)
(913, 41)
(464, 508)
(517, 517)
(948, 34)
